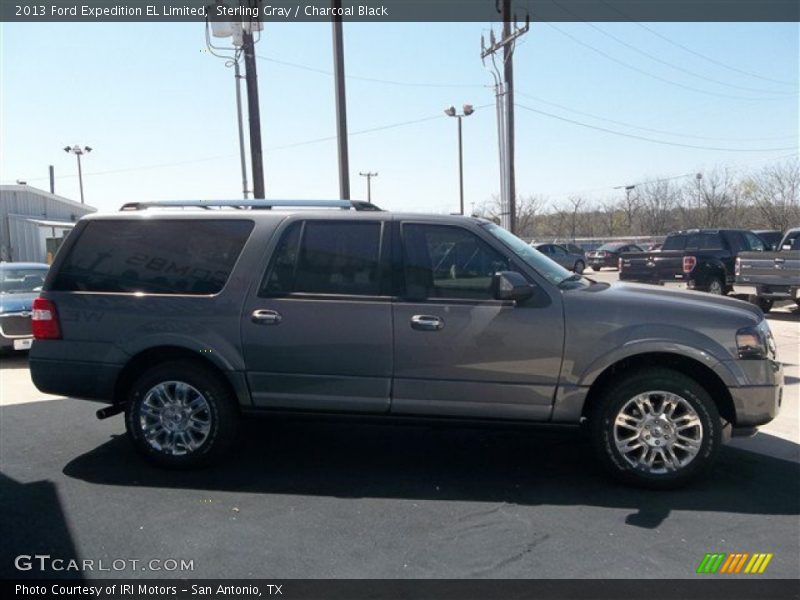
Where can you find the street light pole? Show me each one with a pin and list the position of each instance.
(78, 151)
(451, 112)
(369, 177)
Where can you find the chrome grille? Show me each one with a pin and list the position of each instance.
(15, 325)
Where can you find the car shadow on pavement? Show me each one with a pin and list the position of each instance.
(33, 524)
(532, 466)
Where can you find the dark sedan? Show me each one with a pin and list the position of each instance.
(20, 283)
(569, 260)
(607, 255)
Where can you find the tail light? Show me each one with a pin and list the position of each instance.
(619, 264)
(689, 263)
(738, 268)
(44, 320)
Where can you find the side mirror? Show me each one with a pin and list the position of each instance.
(510, 285)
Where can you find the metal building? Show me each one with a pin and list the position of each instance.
(33, 222)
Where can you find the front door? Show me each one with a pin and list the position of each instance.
(458, 350)
(317, 333)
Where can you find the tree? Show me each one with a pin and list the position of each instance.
(713, 195)
(774, 192)
(658, 200)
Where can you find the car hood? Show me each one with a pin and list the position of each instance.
(10, 303)
(656, 298)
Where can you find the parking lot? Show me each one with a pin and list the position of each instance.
(356, 500)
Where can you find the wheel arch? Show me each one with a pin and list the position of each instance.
(150, 357)
(702, 374)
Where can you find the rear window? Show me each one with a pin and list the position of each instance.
(675, 242)
(153, 257)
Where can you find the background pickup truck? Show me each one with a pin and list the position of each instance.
(768, 276)
(697, 259)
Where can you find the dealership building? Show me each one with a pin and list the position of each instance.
(33, 222)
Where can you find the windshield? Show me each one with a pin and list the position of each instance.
(611, 247)
(21, 281)
(547, 268)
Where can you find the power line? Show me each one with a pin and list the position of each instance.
(650, 129)
(272, 149)
(662, 61)
(538, 99)
(647, 139)
(684, 70)
(651, 75)
(371, 79)
(698, 54)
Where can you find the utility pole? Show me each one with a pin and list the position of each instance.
(369, 177)
(78, 152)
(243, 162)
(235, 30)
(251, 78)
(504, 92)
(508, 61)
(52, 180)
(341, 104)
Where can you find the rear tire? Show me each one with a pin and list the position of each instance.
(765, 304)
(579, 267)
(680, 435)
(716, 287)
(596, 268)
(180, 416)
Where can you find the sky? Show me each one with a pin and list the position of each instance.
(159, 110)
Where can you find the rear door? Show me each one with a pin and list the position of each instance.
(458, 351)
(317, 332)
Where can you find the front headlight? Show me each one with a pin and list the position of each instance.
(751, 343)
(755, 342)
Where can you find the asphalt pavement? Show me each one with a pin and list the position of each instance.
(309, 499)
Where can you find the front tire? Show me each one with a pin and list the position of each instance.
(657, 428)
(180, 416)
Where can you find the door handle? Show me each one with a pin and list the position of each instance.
(427, 323)
(266, 317)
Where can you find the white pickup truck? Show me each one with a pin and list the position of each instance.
(768, 276)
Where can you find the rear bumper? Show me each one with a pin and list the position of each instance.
(86, 380)
(775, 292)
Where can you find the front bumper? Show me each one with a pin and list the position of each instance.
(758, 404)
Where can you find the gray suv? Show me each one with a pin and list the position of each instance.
(186, 320)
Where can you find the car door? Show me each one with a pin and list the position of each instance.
(559, 254)
(317, 331)
(458, 350)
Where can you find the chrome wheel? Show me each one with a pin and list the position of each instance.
(658, 432)
(175, 418)
(715, 287)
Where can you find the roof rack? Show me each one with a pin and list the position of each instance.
(242, 203)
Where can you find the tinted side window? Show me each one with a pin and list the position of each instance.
(448, 262)
(754, 242)
(153, 256)
(559, 251)
(327, 257)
